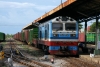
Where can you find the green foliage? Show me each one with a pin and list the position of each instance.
(93, 27)
(80, 26)
(9, 35)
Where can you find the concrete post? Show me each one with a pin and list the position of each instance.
(96, 51)
(85, 31)
(96, 39)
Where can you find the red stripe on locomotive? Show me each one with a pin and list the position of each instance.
(58, 43)
(58, 52)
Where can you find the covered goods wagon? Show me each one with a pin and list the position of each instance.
(2, 36)
(33, 34)
(22, 36)
(90, 37)
(26, 35)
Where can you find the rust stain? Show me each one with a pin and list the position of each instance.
(68, 2)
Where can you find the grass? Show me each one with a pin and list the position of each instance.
(25, 47)
(31, 51)
(36, 53)
(4, 66)
(3, 43)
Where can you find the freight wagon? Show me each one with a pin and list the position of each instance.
(2, 36)
(22, 36)
(33, 36)
(29, 35)
(90, 37)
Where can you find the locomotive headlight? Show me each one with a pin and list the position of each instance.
(73, 34)
(54, 34)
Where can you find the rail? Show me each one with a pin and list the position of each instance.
(23, 59)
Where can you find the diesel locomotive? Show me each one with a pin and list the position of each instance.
(58, 36)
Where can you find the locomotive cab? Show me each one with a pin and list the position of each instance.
(64, 29)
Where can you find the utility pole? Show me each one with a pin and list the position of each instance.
(61, 1)
(61, 4)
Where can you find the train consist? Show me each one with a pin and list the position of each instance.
(2, 36)
(57, 36)
(90, 37)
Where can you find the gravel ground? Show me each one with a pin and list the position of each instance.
(57, 63)
(36, 54)
(15, 64)
(6, 64)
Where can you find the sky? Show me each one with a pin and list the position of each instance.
(16, 14)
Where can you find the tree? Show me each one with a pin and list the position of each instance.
(93, 27)
(80, 26)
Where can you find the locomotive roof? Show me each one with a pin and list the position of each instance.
(80, 10)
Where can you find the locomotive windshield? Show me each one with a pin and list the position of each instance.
(57, 26)
(70, 26)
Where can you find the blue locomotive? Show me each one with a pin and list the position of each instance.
(59, 36)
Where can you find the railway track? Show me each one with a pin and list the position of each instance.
(72, 62)
(78, 62)
(23, 59)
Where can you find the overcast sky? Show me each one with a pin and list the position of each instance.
(16, 14)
